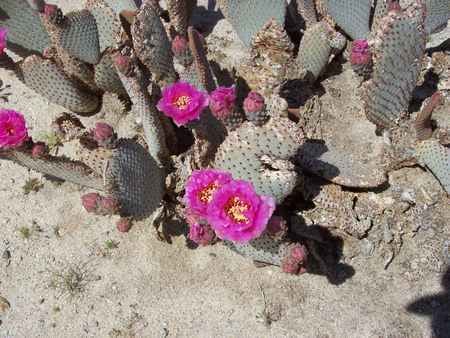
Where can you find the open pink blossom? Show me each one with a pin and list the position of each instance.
(237, 213)
(221, 101)
(200, 188)
(3, 35)
(360, 53)
(201, 234)
(182, 102)
(13, 129)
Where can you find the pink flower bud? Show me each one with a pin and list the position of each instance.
(360, 53)
(90, 201)
(39, 149)
(253, 103)
(3, 39)
(124, 64)
(108, 205)
(295, 259)
(103, 133)
(221, 102)
(123, 224)
(50, 10)
(277, 227)
(201, 234)
(179, 45)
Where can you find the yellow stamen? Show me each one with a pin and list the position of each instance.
(182, 102)
(205, 195)
(235, 209)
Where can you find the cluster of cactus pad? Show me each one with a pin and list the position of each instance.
(75, 59)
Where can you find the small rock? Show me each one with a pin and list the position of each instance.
(4, 305)
(367, 247)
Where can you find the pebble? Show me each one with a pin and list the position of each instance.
(4, 305)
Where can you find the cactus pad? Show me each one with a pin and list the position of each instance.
(106, 77)
(138, 182)
(398, 51)
(315, 50)
(436, 158)
(151, 43)
(44, 77)
(59, 167)
(79, 36)
(249, 16)
(261, 155)
(26, 32)
(437, 15)
(352, 16)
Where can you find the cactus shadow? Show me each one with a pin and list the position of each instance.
(437, 307)
(298, 91)
(425, 90)
(204, 19)
(325, 251)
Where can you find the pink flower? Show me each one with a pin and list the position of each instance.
(360, 53)
(295, 259)
(3, 35)
(221, 101)
(201, 234)
(237, 213)
(91, 201)
(200, 188)
(253, 103)
(13, 130)
(182, 102)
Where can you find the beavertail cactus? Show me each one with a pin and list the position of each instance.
(398, 52)
(27, 34)
(249, 16)
(261, 156)
(47, 79)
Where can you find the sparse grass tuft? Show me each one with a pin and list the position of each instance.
(110, 244)
(25, 232)
(33, 184)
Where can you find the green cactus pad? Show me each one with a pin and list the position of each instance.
(251, 153)
(179, 15)
(263, 249)
(26, 33)
(106, 77)
(352, 16)
(436, 158)
(79, 36)
(137, 180)
(59, 167)
(315, 50)
(398, 51)
(108, 24)
(437, 15)
(249, 16)
(121, 5)
(151, 43)
(47, 79)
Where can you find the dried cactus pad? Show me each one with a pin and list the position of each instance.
(398, 52)
(59, 167)
(137, 180)
(26, 32)
(44, 77)
(352, 16)
(438, 14)
(263, 249)
(79, 36)
(108, 24)
(262, 156)
(151, 42)
(248, 16)
(436, 158)
(338, 167)
(315, 50)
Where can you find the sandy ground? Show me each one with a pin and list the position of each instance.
(132, 285)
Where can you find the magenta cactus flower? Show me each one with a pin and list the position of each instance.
(13, 130)
(360, 53)
(237, 213)
(182, 102)
(201, 234)
(3, 41)
(221, 101)
(201, 187)
(253, 103)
